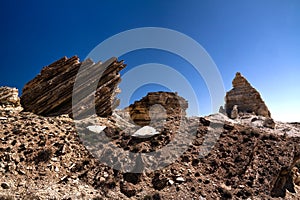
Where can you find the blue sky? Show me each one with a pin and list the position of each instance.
(261, 39)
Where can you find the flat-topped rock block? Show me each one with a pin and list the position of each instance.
(157, 106)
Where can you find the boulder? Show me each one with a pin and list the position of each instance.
(269, 123)
(245, 97)
(157, 106)
(222, 110)
(50, 92)
(9, 96)
(235, 112)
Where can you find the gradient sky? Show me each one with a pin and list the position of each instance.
(259, 38)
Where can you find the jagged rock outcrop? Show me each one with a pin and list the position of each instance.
(9, 96)
(50, 93)
(245, 97)
(157, 106)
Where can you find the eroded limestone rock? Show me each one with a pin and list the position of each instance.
(50, 93)
(247, 98)
(157, 106)
(9, 96)
(235, 112)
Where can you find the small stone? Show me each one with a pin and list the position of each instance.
(21, 184)
(73, 165)
(269, 123)
(22, 172)
(159, 183)
(96, 128)
(5, 185)
(105, 174)
(202, 198)
(3, 118)
(64, 178)
(235, 112)
(204, 121)
(42, 173)
(55, 159)
(56, 169)
(128, 189)
(225, 187)
(145, 132)
(180, 179)
(171, 182)
(102, 179)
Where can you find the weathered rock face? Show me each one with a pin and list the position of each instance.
(50, 93)
(245, 97)
(157, 106)
(9, 96)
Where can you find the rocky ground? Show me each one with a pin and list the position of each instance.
(44, 158)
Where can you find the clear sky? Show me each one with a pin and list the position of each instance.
(259, 38)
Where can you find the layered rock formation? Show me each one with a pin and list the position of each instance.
(50, 93)
(245, 97)
(157, 106)
(9, 96)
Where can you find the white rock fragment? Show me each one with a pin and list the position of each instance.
(105, 174)
(171, 182)
(202, 198)
(3, 118)
(145, 132)
(55, 159)
(96, 128)
(180, 179)
(102, 179)
(73, 165)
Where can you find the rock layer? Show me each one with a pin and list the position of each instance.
(50, 93)
(157, 106)
(245, 97)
